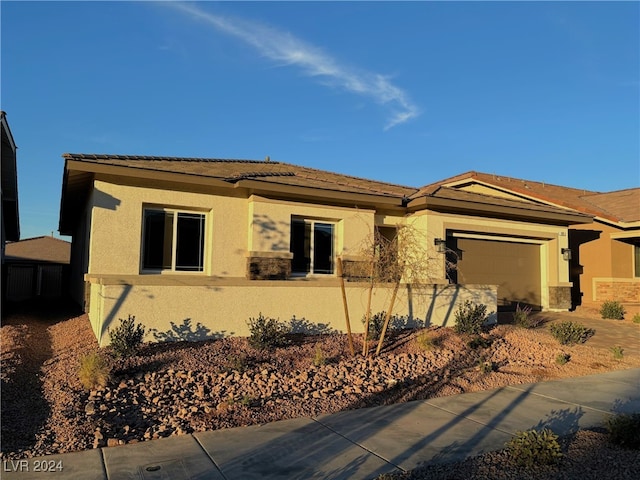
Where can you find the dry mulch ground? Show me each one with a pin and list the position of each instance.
(177, 388)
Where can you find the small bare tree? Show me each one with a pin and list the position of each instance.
(403, 257)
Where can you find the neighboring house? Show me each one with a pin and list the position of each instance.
(37, 267)
(604, 254)
(204, 244)
(9, 217)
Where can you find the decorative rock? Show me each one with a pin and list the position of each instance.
(90, 408)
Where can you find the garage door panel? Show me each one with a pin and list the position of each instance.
(514, 267)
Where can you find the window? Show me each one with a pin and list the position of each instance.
(312, 246)
(173, 241)
(636, 259)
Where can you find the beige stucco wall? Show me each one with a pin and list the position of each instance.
(192, 312)
(270, 224)
(116, 227)
(221, 300)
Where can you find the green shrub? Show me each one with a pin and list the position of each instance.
(428, 341)
(569, 333)
(126, 338)
(624, 430)
(319, 359)
(479, 342)
(238, 363)
(562, 358)
(470, 317)
(618, 352)
(636, 318)
(267, 332)
(522, 317)
(532, 447)
(486, 366)
(376, 322)
(94, 371)
(612, 309)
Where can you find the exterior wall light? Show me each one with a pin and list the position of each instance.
(441, 245)
(566, 253)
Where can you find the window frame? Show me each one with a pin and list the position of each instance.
(312, 222)
(200, 270)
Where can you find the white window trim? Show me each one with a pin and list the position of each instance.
(174, 238)
(312, 222)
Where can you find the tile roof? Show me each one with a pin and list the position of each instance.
(232, 171)
(615, 206)
(622, 204)
(41, 249)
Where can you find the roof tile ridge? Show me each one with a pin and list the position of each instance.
(258, 174)
(104, 156)
(455, 178)
(601, 210)
(536, 182)
(348, 176)
(384, 191)
(593, 194)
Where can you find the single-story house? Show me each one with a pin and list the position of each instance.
(37, 267)
(604, 255)
(9, 216)
(195, 247)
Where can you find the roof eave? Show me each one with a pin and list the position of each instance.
(338, 196)
(474, 208)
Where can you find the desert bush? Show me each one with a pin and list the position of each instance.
(562, 358)
(94, 371)
(126, 338)
(521, 316)
(618, 352)
(428, 341)
(479, 342)
(319, 359)
(636, 318)
(624, 430)
(267, 332)
(238, 363)
(470, 317)
(486, 366)
(376, 322)
(569, 333)
(532, 447)
(612, 309)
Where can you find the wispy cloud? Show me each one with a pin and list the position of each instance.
(286, 49)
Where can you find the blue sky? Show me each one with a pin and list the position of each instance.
(408, 93)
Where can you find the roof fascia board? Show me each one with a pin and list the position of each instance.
(621, 225)
(623, 235)
(137, 172)
(468, 207)
(265, 188)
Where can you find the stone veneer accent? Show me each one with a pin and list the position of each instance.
(560, 298)
(268, 268)
(355, 270)
(625, 291)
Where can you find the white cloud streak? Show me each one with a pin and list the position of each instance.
(288, 50)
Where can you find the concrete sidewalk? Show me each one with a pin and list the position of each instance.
(357, 444)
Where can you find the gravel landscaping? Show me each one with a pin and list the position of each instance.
(181, 387)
